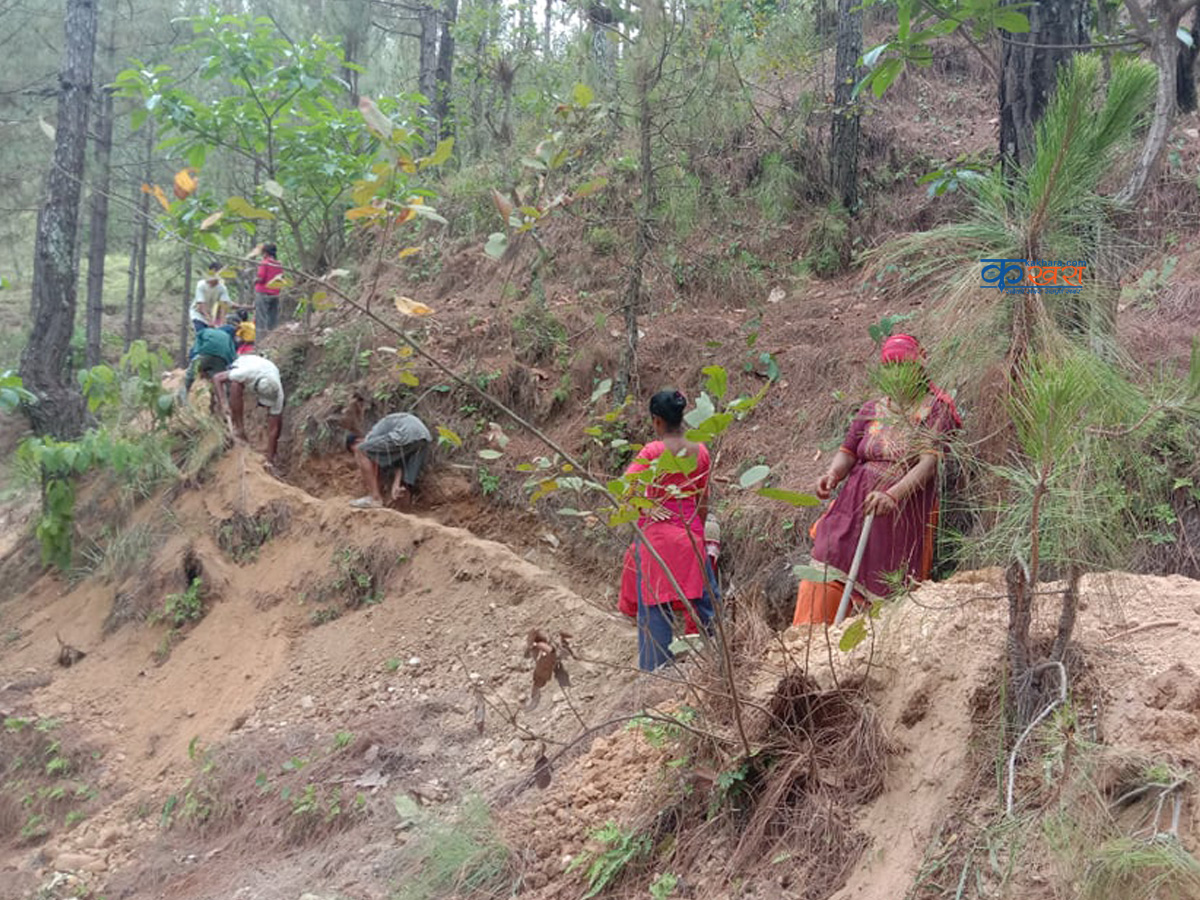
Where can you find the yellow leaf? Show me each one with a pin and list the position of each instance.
(409, 251)
(440, 154)
(407, 378)
(240, 206)
(404, 352)
(279, 281)
(212, 220)
(364, 212)
(228, 273)
(362, 192)
(410, 307)
(185, 183)
(406, 163)
(161, 196)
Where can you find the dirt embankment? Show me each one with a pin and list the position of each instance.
(375, 633)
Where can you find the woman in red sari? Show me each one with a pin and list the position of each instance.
(888, 463)
(674, 528)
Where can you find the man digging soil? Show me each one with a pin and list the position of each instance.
(392, 452)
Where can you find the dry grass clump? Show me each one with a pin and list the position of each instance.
(241, 535)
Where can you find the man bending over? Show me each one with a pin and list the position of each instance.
(258, 376)
(392, 453)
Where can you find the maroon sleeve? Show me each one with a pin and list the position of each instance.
(858, 429)
(263, 275)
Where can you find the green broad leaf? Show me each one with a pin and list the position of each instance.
(448, 436)
(582, 95)
(670, 464)
(1012, 21)
(440, 154)
(601, 389)
(489, 454)
(814, 573)
(593, 431)
(618, 487)
(754, 475)
(196, 155)
(274, 188)
(428, 212)
(881, 79)
(568, 511)
(497, 244)
(624, 517)
(854, 635)
(718, 381)
(703, 410)
(240, 206)
(589, 187)
(795, 498)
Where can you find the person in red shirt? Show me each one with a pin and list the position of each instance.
(266, 297)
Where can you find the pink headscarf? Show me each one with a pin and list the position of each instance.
(906, 348)
(901, 348)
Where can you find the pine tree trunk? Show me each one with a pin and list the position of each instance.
(843, 151)
(98, 231)
(59, 410)
(427, 18)
(645, 79)
(135, 236)
(445, 70)
(1156, 24)
(139, 314)
(1029, 70)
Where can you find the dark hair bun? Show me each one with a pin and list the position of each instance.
(669, 406)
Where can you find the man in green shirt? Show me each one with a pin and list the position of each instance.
(213, 352)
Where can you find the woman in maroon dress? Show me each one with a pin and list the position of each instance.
(889, 463)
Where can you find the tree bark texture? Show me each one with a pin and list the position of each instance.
(139, 315)
(1029, 71)
(647, 71)
(1156, 22)
(445, 70)
(427, 18)
(843, 145)
(59, 410)
(98, 230)
(135, 235)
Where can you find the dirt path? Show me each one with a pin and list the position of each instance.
(449, 611)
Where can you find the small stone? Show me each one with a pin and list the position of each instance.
(414, 661)
(307, 702)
